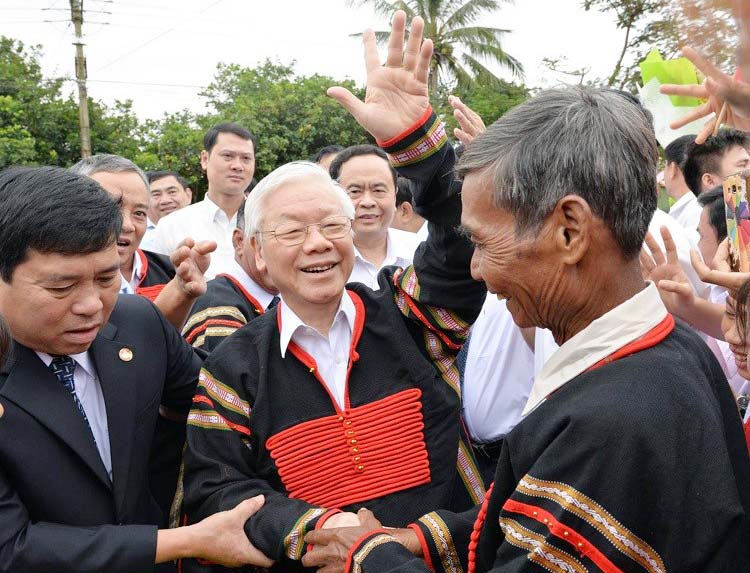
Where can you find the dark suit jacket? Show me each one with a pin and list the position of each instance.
(59, 512)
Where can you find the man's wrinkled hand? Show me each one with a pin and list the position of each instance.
(469, 123)
(191, 260)
(396, 95)
(221, 538)
(331, 546)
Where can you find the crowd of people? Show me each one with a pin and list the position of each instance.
(494, 355)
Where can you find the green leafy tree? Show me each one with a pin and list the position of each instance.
(461, 47)
(291, 116)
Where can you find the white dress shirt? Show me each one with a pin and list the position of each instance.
(258, 292)
(202, 221)
(607, 334)
(89, 392)
(129, 286)
(423, 232)
(399, 251)
(499, 373)
(148, 236)
(687, 212)
(331, 353)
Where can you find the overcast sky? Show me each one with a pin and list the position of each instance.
(133, 44)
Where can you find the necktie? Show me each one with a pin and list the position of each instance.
(63, 367)
(274, 301)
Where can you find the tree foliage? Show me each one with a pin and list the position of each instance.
(462, 48)
(667, 25)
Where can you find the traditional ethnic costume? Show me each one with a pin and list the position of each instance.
(263, 423)
(630, 458)
(227, 306)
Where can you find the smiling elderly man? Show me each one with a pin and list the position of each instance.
(340, 396)
(631, 455)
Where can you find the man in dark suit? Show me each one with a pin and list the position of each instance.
(80, 393)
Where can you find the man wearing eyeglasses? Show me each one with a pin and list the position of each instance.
(228, 158)
(341, 396)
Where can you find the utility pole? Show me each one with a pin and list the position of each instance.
(76, 14)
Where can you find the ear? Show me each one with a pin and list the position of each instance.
(260, 261)
(406, 210)
(709, 180)
(189, 192)
(238, 242)
(573, 222)
(204, 159)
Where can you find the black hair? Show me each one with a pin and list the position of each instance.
(740, 310)
(209, 140)
(676, 151)
(706, 157)
(356, 151)
(404, 191)
(323, 151)
(5, 341)
(156, 175)
(53, 210)
(717, 217)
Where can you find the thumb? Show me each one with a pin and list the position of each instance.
(205, 247)
(348, 100)
(680, 289)
(249, 507)
(367, 519)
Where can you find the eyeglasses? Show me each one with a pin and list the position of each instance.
(291, 234)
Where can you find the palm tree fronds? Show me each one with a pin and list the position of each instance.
(496, 53)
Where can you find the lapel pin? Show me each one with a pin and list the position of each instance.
(126, 355)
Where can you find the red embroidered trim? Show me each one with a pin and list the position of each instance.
(212, 322)
(561, 531)
(199, 399)
(250, 298)
(150, 292)
(309, 361)
(423, 543)
(144, 266)
(426, 323)
(362, 453)
(747, 433)
(321, 522)
(648, 340)
(357, 546)
(419, 123)
(477, 530)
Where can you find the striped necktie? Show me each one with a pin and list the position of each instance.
(63, 367)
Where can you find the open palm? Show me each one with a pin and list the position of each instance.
(397, 94)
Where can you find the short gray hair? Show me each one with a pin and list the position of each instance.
(279, 177)
(108, 163)
(593, 143)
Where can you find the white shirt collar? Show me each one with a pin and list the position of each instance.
(129, 286)
(215, 211)
(258, 292)
(607, 334)
(290, 322)
(682, 202)
(394, 254)
(82, 359)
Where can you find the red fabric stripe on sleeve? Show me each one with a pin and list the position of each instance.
(423, 543)
(562, 531)
(419, 123)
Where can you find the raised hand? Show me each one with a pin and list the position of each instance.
(191, 261)
(721, 274)
(470, 124)
(717, 88)
(664, 270)
(396, 95)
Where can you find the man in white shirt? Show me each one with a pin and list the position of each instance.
(685, 208)
(366, 175)
(228, 159)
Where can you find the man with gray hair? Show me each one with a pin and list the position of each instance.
(631, 455)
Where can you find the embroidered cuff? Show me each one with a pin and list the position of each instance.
(437, 542)
(364, 546)
(294, 545)
(420, 141)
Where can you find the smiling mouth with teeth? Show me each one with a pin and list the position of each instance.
(318, 269)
